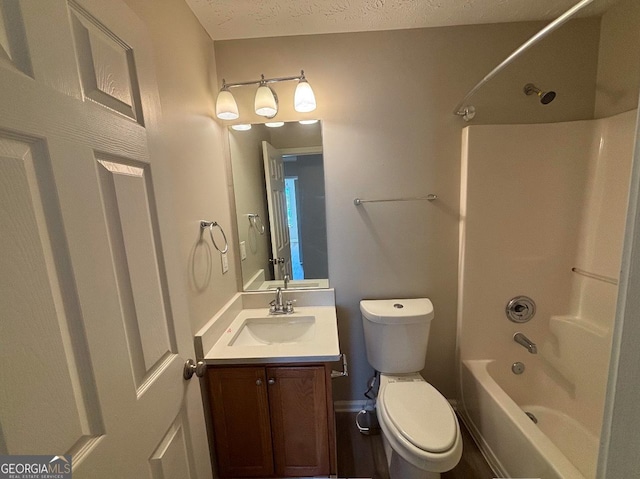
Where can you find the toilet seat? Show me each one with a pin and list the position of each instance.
(419, 445)
(421, 414)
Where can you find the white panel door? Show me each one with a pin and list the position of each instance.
(91, 345)
(277, 203)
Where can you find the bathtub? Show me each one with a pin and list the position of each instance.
(494, 401)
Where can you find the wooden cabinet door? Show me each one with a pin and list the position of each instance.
(299, 426)
(241, 421)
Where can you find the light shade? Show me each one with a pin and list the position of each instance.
(241, 127)
(265, 102)
(304, 100)
(226, 106)
(274, 124)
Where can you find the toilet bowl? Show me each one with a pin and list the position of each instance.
(420, 429)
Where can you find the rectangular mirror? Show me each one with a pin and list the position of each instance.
(278, 183)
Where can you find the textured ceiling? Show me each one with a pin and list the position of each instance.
(234, 19)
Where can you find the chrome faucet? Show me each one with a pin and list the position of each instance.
(278, 306)
(286, 281)
(526, 342)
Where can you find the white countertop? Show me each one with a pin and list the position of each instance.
(213, 341)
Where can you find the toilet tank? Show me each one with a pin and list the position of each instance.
(396, 332)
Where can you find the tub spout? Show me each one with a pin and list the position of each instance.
(526, 342)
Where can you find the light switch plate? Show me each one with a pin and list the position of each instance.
(243, 250)
(225, 263)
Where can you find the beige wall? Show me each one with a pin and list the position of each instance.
(295, 135)
(188, 144)
(619, 60)
(386, 99)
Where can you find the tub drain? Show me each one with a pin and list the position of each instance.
(517, 367)
(532, 417)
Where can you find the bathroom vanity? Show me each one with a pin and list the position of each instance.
(272, 420)
(268, 386)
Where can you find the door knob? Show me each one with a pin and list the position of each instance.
(191, 368)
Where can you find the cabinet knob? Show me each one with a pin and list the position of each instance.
(258, 382)
(271, 381)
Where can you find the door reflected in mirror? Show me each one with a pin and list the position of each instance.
(278, 183)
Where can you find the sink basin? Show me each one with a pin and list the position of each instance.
(269, 330)
(245, 333)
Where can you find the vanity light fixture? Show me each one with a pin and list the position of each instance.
(303, 99)
(226, 106)
(274, 124)
(241, 127)
(308, 122)
(266, 100)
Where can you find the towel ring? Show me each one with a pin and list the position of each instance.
(254, 218)
(210, 224)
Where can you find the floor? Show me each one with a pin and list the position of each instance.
(361, 456)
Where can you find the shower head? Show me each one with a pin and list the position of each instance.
(546, 97)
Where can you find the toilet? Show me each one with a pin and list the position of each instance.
(420, 429)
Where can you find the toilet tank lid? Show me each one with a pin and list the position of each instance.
(397, 311)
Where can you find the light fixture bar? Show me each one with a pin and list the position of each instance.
(263, 80)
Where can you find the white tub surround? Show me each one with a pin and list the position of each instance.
(244, 332)
(542, 215)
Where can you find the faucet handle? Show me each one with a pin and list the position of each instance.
(272, 306)
(288, 307)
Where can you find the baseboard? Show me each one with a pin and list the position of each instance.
(349, 406)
